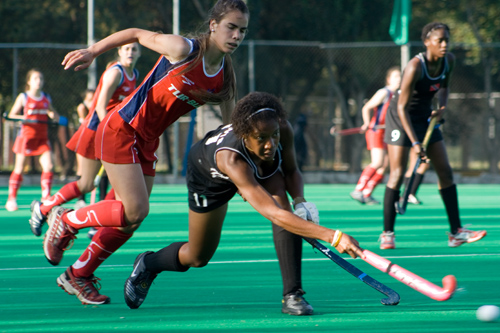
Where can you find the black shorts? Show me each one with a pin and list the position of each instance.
(204, 193)
(396, 135)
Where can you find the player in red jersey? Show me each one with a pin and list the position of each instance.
(34, 108)
(115, 84)
(188, 74)
(374, 126)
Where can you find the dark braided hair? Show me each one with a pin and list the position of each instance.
(430, 27)
(244, 117)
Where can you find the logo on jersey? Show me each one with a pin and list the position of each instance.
(187, 81)
(217, 139)
(126, 88)
(395, 135)
(217, 174)
(435, 87)
(177, 93)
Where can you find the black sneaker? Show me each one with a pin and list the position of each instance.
(295, 304)
(37, 219)
(138, 283)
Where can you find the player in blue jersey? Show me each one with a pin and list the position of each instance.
(426, 75)
(254, 157)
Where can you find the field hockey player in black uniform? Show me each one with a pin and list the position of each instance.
(255, 157)
(426, 75)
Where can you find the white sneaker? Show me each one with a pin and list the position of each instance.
(358, 196)
(464, 235)
(80, 204)
(414, 200)
(387, 240)
(11, 205)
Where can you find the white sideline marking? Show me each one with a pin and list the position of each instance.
(276, 260)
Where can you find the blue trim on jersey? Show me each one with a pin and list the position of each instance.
(162, 69)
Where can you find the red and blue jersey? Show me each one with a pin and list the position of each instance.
(125, 87)
(165, 95)
(35, 108)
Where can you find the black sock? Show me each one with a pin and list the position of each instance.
(103, 187)
(167, 259)
(390, 198)
(416, 183)
(450, 200)
(289, 251)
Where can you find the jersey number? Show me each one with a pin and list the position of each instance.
(198, 198)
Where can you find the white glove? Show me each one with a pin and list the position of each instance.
(307, 211)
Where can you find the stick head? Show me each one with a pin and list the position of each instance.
(449, 284)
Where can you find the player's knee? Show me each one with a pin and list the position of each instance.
(137, 214)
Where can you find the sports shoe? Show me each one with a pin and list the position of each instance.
(86, 289)
(414, 200)
(358, 196)
(295, 304)
(369, 200)
(80, 204)
(387, 240)
(138, 283)
(464, 235)
(11, 205)
(37, 219)
(91, 232)
(59, 237)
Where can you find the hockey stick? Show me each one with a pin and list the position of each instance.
(401, 204)
(392, 296)
(63, 121)
(351, 131)
(412, 280)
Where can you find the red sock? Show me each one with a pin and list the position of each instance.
(104, 243)
(66, 193)
(46, 183)
(15, 181)
(106, 213)
(372, 183)
(364, 178)
(111, 195)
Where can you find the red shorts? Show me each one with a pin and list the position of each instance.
(375, 139)
(117, 142)
(30, 146)
(83, 142)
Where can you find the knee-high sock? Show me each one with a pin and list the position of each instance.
(107, 213)
(68, 192)
(372, 183)
(167, 259)
(365, 176)
(104, 243)
(46, 184)
(450, 200)
(390, 198)
(15, 182)
(289, 252)
(416, 183)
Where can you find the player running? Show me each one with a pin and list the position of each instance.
(115, 84)
(374, 126)
(407, 120)
(34, 108)
(255, 157)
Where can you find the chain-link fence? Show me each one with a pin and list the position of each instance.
(328, 83)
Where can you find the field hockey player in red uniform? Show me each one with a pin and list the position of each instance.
(115, 84)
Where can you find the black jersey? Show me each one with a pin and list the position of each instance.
(208, 187)
(419, 106)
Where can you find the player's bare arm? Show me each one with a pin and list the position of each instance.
(110, 82)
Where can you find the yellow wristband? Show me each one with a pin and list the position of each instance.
(336, 238)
